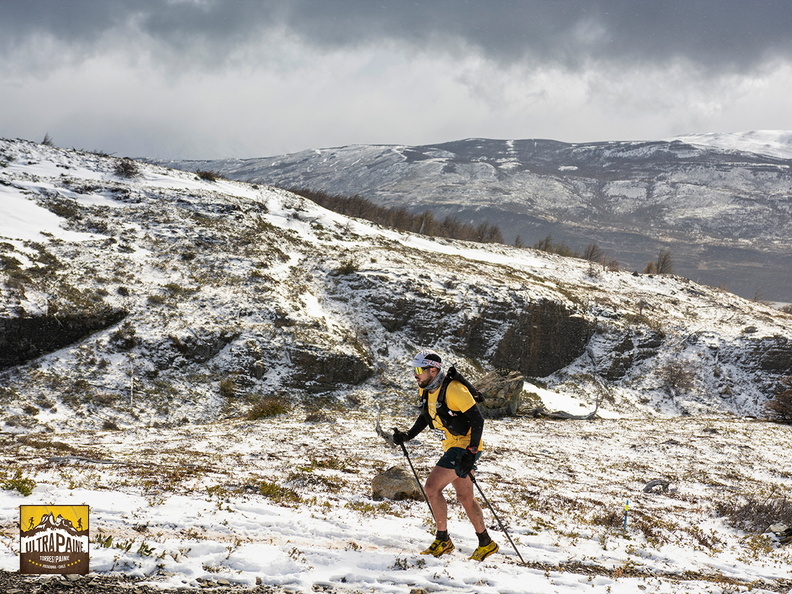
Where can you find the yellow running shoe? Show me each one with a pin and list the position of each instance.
(439, 547)
(482, 553)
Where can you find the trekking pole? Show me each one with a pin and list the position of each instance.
(475, 482)
(415, 474)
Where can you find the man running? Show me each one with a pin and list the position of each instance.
(450, 407)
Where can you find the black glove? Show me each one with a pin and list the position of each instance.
(399, 436)
(467, 462)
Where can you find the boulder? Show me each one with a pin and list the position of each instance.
(502, 393)
(396, 484)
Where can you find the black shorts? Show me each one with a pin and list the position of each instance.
(451, 457)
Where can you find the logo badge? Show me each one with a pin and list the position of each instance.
(53, 539)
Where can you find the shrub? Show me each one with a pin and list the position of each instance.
(278, 493)
(267, 407)
(156, 300)
(124, 338)
(9, 262)
(594, 253)
(755, 515)
(208, 175)
(347, 267)
(127, 168)
(228, 385)
(677, 377)
(67, 209)
(663, 265)
(562, 249)
(780, 407)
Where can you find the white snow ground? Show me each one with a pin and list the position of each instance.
(286, 502)
(185, 506)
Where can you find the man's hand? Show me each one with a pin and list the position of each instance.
(399, 437)
(467, 462)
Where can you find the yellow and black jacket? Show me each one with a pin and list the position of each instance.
(452, 409)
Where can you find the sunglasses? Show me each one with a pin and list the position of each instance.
(419, 370)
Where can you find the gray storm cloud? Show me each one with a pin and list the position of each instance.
(728, 35)
(211, 78)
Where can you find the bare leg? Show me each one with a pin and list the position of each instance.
(465, 496)
(438, 480)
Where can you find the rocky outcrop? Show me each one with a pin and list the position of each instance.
(535, 338)
(542, 339)
(23, 339)
(201, 347)
(636, 345)
(315, 369)
(774, 354)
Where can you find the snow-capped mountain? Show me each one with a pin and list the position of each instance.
(721, 203)
(771, 143)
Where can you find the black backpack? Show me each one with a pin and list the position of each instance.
(451, 375)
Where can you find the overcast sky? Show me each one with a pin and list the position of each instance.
(249, 78)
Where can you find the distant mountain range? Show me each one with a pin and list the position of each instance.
(721, 203)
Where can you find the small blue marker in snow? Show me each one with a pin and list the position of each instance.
(626, 509)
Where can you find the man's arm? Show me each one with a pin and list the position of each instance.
(473, 415)
(420, 424)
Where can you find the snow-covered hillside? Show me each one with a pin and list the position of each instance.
(720, 202)
(194, 301)
(231, 291)
(773, 143)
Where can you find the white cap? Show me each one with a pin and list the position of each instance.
(427, 358)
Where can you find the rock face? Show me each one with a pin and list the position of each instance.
(22, 339)
(635, 346)
(317, 369)
(774, 354)
(395, 484)
(542, 339)
(533, 336)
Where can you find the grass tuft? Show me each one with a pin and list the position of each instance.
(278, 493)
(19, 483)
(755, 515)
